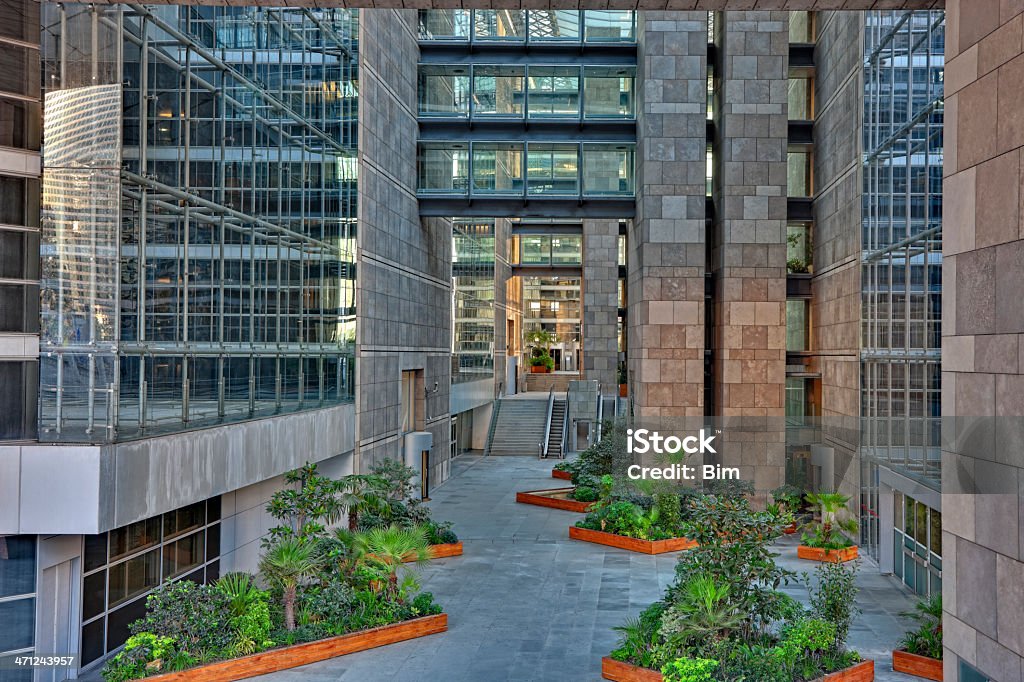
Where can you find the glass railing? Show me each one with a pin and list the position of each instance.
(527, 26)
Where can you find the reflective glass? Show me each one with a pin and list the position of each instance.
(608, 169)
(17, 624)
(554, 91)
(566, 249)
(473, 291)
(552, 168)
(801, 27)
(555, 25)
(798, 177)
(796, 325)
(608, 91)
(499, 24)
(134, 576)
(801, 91)
(444, 91)
(443, 168)
(497, 168)
(609, 26)
(498, 91)
(445, 24)
(17, 565)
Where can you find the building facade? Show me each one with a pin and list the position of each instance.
(297, 235)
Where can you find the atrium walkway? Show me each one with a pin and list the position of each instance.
(527, 604)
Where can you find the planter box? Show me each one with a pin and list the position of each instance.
(915, 664)
(623, 390)
(311, 652)
(557, 498)
(835, 556)
(445, 550)
(862, 672)
(617, 671)
(538, 369)
(627, 672)
(631, 544)
(563, 475)
(790, 529)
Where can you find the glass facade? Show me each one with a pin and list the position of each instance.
(537, 91)
(521, 26)
(901, 269)
(17, 603)
(571, 169)
(473, 293)
(198, 245)
(917, 545)
(121, 567)
(20, 123)
(549, 249)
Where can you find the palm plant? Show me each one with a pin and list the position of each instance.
(359, 493)
(926, 640)
(240, 590)
(286, 564)
(385, 549)
(702, 612)
(829, 533)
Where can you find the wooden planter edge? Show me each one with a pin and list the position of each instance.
(861, 672)
(618, 671)
(563, 475)
(309, 652)
(835, 556)
(916, 664)
(600, 537)
(535, 497)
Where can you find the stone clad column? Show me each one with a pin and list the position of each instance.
(749, 256)
(983, 340)
(666, 241)
(601, 303)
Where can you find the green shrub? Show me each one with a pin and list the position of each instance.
(331, 604)
(197, 617)
(440, 533)
(423, 605)
(584, 493)
(834, 598)
(144, 653)
(926, 640)
(689, 670)
(640, 640)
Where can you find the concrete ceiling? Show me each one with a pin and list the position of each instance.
(586, 4)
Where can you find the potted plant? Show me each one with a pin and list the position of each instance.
(788, 498)
(827, 540)
(623, 388)
(920, 651)
(540, 341)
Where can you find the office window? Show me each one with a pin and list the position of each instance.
(20, 122)
(608, 169)
(561, 25)
(801, 99)
(798, 177)
(497, 168)
(498, 91)
(801, 27)
(608, 91)
(552, 168)
(444, 91)
(443, 168)
(609, 26)
(499, 24)
(554, 91)
(445, 24)
(17, 601)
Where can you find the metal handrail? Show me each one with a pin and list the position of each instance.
(565, 428)
(547, 425)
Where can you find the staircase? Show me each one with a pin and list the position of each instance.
(542, 383)
(518, 427)
(555, 445)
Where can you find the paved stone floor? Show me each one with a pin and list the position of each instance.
(526, 604)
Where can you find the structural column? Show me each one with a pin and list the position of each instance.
(404, 265)
(601, 302)
(749, 256)
(666, 241)
(983, 340)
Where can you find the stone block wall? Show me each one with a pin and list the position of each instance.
(601, 303)
(404, 264)
(983, 339)
(749, 255)
(666, 241)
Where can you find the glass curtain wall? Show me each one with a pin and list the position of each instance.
(473, 294)
(199, 241)
(520, 26)
(902, 245)
(17, 604)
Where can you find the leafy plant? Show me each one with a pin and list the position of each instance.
(307, 507)
(584, 493)
(926, 640)
(286, 564)
(240, 590)
(640, 640)
(829, 532)
(700, 615)
(359, 494)
(834, 598)
(331, 604)
(803, 647)
(689, 670)
(143, 653)
(197, 617)
(387, 548)
(394, 479)
(789, 497)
